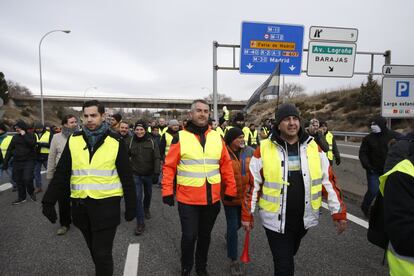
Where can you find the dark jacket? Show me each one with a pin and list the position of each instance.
(399, 211)
(374, 148)
(104, 212)
(398, 151)
(163, 142)
(144, 155)
(320, 140)
(21, 148)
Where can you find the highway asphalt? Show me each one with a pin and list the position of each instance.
(29, 245)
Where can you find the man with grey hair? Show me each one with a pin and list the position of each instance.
(314, 131)
(199, 160)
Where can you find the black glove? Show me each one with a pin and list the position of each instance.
(228, 198)
(49, 211)
(130, 214)
(169, 200)
(338, 161)
(155, 178)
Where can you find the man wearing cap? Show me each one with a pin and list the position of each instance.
(144, 157)
(253, 139)
(43, 138)
(166, 139)
(199, 159)
(23, 150)
(240, 155)
(289, 170)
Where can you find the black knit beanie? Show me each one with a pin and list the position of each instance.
(140, 123)
(232, 134)
(285, 110)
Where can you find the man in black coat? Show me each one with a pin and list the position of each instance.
(23, 150)
(372, 154)
(95, 163)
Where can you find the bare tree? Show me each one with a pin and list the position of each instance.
(293, 90)
(15, 89)
(220, 98)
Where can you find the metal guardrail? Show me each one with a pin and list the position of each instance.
(347, 134)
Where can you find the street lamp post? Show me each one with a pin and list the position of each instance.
(40, 71)
(84, 93)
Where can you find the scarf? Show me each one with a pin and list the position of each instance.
(95, 135)
(66, 132)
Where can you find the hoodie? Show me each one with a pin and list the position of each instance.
(374, 147)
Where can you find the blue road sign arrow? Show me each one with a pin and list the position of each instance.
(263, 45)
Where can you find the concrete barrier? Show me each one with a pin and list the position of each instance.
(351, 178)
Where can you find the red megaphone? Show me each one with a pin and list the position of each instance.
(244, 258)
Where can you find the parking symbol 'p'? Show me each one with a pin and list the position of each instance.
(403, 89)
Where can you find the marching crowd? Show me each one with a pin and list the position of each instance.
(282, 168)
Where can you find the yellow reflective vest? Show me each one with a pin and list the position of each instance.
(198, 164)
(253, 137)
(168, 141)
(5, 144)
(220, 131)
(96, 178)
(44, 139)
(399, 264)
(246, 132)
(329, 139)
(274, 177)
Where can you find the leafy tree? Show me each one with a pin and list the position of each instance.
(293, 90)
(370, 94)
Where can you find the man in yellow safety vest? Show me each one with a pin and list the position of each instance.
(5, 140)
(43, 138)
(333, 152)
(288, 172)
(397, 187)
(95, 163)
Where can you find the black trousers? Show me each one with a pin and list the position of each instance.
(89, 216)
(64, 211)
(284, 247)
(197, 222)
(23, 174)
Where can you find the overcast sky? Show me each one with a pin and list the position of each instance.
(163, 49)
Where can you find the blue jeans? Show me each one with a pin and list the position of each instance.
(373, 187)
(142, 181)
(233, 218)
(37, 169)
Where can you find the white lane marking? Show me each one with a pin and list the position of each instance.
(132, 260)
(7, 186)
(351, 217)
(349, 156)
(345, 145)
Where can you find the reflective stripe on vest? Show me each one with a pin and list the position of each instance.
(273, 175)
(5, 144)
(329, 139)
(399, 265)
(97, 178)
(253, 139)
(168, 141)
(44, 139)
(404, 166)
(197, 164)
